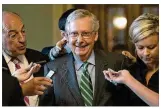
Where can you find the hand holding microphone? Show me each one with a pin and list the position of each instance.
(110, 75)
(122, 76)
(25, 73)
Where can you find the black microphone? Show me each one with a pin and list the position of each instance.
(41, 62)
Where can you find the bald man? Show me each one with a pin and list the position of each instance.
(14, 47)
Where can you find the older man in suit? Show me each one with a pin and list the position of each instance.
(78, 79)
(14, 50)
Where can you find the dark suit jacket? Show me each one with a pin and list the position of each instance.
(32, 56)
(11, 91)
(65, 90)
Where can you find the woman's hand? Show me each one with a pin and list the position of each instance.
(129, 55)
(122, 76)
(25, 73)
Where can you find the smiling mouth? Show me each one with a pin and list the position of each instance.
(81, 46)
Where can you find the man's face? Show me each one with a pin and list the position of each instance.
(81, 37)
(13, 35)
(148, 50)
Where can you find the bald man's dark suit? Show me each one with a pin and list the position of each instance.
(11, 91)
(31, 56)
(65, 90)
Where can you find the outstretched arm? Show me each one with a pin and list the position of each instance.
(123, 76)
(58, 49)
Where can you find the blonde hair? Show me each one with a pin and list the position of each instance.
(81, 13)
(144, 26)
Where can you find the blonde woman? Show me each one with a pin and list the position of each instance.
(143, 76)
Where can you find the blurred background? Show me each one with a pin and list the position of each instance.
(41, 22)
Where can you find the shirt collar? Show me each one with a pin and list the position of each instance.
(8, 58)
(79, 63)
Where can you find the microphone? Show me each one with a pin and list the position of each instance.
(41, 62)
(4, 68)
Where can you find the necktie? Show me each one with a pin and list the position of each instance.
(16, 62)
(17, 66)
(86, 86)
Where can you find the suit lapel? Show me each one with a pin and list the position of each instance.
(101, 64)
(70, 79)
(29, 57)
(5, 66)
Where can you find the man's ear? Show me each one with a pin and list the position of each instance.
(96, 36)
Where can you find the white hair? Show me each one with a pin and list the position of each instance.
(81, 13)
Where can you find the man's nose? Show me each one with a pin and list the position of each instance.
(22, 37)
(79, 38)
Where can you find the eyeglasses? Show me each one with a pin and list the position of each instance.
(85, 34)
